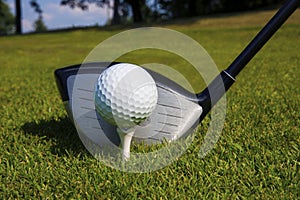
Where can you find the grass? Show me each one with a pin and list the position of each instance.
(257, 156)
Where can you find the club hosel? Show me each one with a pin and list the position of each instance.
(214, 91)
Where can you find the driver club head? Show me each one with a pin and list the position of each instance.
(176, 114)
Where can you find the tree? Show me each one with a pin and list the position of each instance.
(39, 24)
(191, 8)
(37, 8)
(116, 16)
(18, 17)
(233, 5)
(136, 7)
(6, 19)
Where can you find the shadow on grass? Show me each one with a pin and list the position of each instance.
(61, 133)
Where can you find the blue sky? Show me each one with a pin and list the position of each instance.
(57, 16)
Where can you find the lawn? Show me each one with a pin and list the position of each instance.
(256, 157)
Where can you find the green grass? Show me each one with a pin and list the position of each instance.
(257, 156)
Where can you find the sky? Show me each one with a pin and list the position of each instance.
(56, 16)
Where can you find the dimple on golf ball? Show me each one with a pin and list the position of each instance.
(125, 95)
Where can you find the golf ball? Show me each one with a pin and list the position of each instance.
(125, 95)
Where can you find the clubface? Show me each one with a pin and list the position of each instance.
(176, 114)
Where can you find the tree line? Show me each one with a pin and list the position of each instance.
(135, 11)
(192, 8)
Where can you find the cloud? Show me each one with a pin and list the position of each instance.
(47, 16)
(27, 25)
(57, 16)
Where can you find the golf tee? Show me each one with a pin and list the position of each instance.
(125, 138)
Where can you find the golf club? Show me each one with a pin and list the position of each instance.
(178, 111)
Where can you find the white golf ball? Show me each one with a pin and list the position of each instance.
(125, 95)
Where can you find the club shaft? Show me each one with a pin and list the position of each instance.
(262, 37)
(217, 88)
